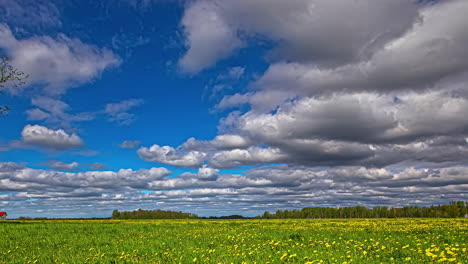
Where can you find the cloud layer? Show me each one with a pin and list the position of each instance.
(267, 188)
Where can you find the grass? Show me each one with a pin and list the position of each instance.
(235, 241)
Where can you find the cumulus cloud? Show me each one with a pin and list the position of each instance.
(170, 156)
(130, 144)
(56, 63)
(230, 141)
(224, 151)
(119, 112)
(361, 117)
(250, 156)
(52, 139)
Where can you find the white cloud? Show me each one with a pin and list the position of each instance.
(252, 155)
(220, 142)
(170, 156)
(207, 173)
(104, 180)
(51, 139)
(230, 141)
(56, 63)
(227, 150)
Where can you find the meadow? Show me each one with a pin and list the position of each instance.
(235, 241)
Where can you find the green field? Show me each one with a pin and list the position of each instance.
(235, 241)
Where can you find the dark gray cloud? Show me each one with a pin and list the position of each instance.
(362, 128)
(307, 30)
(405, 63)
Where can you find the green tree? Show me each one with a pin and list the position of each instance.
(9, 76)
(266, 215)
(115, 214)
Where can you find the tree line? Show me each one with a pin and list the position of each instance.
(152, 214)
(452, 210)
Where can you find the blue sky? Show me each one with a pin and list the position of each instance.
(223, 107)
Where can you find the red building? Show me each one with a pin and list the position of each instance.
(3, 215)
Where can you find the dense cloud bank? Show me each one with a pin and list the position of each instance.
(207, 192)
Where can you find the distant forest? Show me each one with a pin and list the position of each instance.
(152, 214)
(452, 210)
